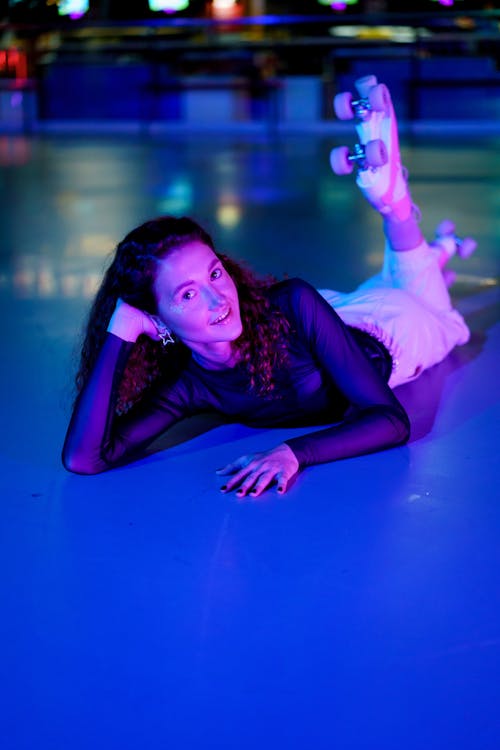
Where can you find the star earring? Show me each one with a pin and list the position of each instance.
(164, 334)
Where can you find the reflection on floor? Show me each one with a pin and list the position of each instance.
(143, 609)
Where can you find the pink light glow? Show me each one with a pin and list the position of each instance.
(339, 6)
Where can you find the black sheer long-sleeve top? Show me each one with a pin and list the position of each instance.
(333, 375)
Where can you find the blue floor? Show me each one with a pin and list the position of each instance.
(142, 609)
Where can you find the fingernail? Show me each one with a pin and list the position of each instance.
(253, 492)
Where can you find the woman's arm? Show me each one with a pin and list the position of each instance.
(89, 439)
(97, 439)
(375, 419)
(365, 431)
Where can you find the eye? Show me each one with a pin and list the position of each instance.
(189, 294)
(216, 274)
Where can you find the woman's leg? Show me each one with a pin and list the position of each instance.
(409, 262)
(411, 307)
(386, 187)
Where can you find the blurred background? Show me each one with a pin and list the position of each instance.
(242, 64)
(141, 611)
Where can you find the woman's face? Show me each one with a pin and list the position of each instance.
(197, 299)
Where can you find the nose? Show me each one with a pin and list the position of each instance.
(214, 298)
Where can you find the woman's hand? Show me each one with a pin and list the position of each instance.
(129, 322)
(255, 472)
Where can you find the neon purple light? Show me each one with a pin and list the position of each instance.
(339, 6)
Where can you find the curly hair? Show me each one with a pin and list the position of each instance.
(130, 276)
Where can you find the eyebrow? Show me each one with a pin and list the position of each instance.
(190, 282)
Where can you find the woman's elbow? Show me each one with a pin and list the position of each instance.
(79, 464)
(404, 428)
(400, 425)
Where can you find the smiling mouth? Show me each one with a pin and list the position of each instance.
(222, 317)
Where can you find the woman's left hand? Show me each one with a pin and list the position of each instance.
(255, 472)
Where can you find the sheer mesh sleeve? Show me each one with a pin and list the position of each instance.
(375, 419)
(97, 439)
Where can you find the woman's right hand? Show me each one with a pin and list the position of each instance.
(128, 322)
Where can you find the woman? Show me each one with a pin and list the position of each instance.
(177, 329)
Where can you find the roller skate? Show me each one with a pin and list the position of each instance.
(447, 244)
(381, 176)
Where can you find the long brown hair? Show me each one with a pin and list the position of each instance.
(131, 275)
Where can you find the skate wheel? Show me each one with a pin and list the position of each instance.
(466, 247)
(449, 277)
(364, 85)
(339, 160)
(445, 227)
(376, 153)
(379, 98)
(342, 106)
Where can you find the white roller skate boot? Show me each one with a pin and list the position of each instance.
(381, 176)
(447, 244)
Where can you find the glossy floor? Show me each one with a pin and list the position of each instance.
(143, 609)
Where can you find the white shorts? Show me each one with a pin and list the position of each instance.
(407, 307)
